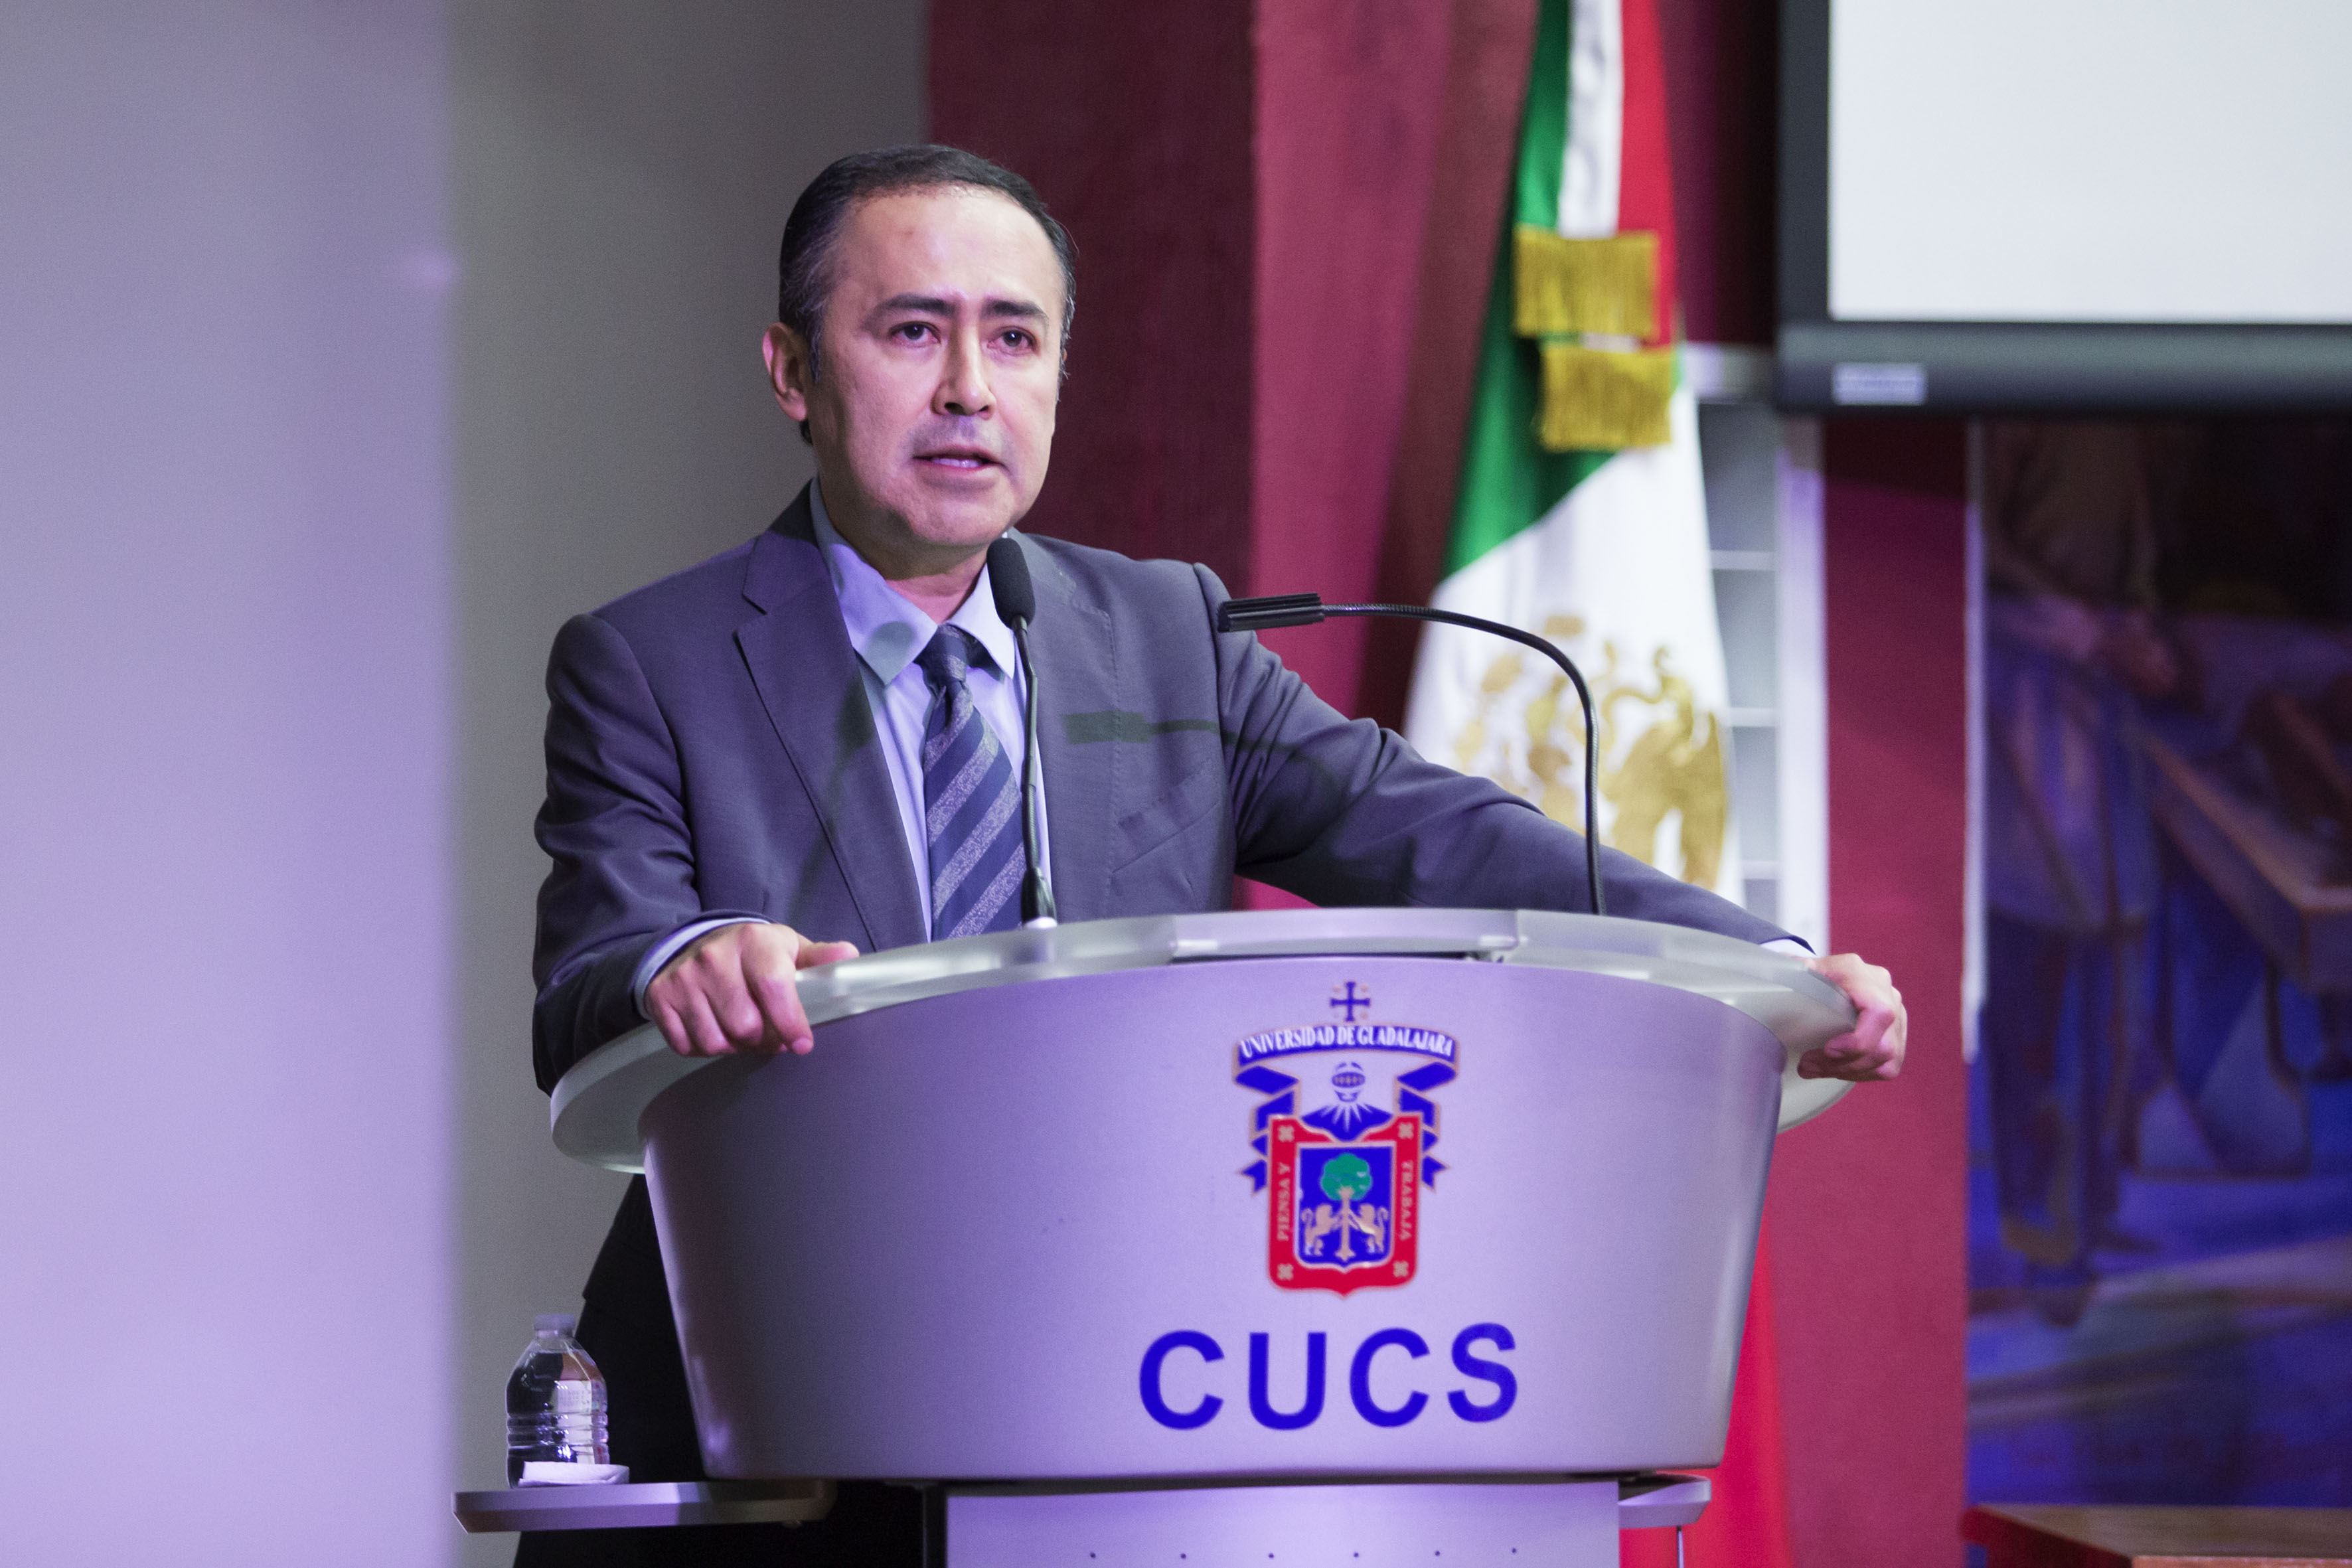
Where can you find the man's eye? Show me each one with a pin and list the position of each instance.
(911, 331)
(1014, 337)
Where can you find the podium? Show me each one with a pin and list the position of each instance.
(1345, 1234)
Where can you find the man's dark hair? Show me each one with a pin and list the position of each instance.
(805, 264)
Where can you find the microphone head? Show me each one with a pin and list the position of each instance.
(1273, 610)
(1008, 579)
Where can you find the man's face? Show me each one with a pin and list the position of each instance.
(933, 408)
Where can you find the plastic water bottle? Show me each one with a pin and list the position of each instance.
(555, 1402)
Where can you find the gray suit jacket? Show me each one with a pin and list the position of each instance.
(709, 750)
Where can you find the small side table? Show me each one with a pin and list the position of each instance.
(2025, 1535)
(637, 1504)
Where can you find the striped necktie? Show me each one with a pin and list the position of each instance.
(972, 801)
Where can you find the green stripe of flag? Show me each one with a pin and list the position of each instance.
(1543, 122)
(1508, 481)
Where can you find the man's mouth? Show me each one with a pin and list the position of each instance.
(969, 458)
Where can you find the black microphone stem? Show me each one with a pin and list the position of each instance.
(1016, 606)
(1305, 609)
(1037, 891)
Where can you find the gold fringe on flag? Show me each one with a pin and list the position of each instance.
(1564, 288)
(1600, 400)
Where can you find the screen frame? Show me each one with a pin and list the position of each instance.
(1823, 366)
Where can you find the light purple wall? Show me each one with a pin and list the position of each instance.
(344, 349)
(620, 173)
(224, 744)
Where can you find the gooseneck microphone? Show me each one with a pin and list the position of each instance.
(1308, 609)
(1016, 606)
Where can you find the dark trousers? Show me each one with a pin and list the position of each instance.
(626, 1324)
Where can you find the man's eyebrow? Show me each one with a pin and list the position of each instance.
(933, 305)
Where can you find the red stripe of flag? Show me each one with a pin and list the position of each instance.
(1646, 189)
(1747, 1522)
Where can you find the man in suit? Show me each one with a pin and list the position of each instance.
(807, 746)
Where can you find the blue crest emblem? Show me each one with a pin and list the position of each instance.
(1343, 1139)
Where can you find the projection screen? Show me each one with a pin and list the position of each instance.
(2067, 205)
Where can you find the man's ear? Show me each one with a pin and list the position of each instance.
(788, 371)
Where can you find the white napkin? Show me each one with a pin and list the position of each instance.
(554, 1473)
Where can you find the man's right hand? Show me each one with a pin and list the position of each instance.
(732, 991)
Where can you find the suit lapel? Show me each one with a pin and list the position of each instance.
(807, 677)
(1077, 672)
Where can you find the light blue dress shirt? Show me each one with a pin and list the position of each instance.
(887, 632)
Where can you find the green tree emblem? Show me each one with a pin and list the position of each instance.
(1346, 1178)
(1346, 1181)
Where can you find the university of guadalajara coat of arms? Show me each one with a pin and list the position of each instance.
(1343, 1137)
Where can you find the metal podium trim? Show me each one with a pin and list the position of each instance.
(595, 1107)
(1656, 1499)
(1662, 1499)
(1644, 1503)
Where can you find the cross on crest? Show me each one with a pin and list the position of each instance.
(1347, 1000)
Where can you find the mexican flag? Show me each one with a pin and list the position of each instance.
(1581, 514)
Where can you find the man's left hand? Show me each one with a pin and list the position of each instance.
(1872, 1052)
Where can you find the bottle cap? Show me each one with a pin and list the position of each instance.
(556, 1323)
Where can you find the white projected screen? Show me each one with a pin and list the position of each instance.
(2154, 161)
